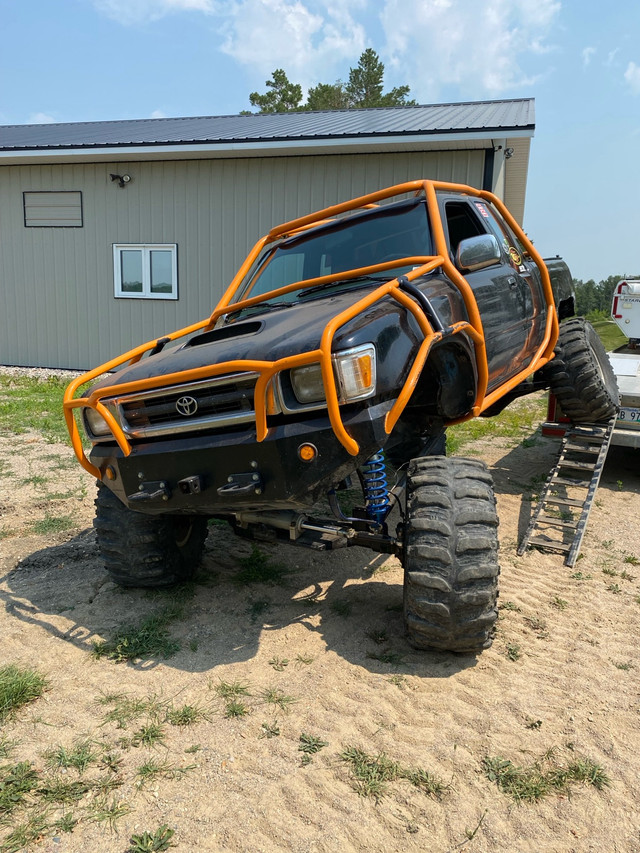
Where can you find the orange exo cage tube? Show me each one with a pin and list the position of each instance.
(268, 369)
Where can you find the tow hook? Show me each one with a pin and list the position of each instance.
(238, 485)
(151, 492)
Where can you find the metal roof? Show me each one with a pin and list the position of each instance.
(476, 118)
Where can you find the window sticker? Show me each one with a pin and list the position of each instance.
(483, 210)
(514, 254)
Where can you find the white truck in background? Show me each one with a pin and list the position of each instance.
(625, 360)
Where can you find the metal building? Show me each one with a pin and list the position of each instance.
(113, 233)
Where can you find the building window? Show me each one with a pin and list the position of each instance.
(52, 209)
(146, 271)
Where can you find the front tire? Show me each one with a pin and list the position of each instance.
(581, 375)
(147, 550)
(450, 555)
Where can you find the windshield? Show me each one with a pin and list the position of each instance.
(372, 237)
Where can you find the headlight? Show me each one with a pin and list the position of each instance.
(355, 372)
(307, 383)
(95, 422)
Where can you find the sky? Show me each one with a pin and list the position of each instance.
(99, 60)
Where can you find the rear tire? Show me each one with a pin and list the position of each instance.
(147, 550)
(450, 555)
(581, 375)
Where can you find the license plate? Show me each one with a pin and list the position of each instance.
(629, 417)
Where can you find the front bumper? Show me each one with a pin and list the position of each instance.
(155, 478)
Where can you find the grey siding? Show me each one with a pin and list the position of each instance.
(57, 305)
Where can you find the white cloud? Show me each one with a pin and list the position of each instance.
(587, 55)
(129, 12)
(41, 118)
(158, 114)
(611, 56)
(310, 40)
(482, 49)
(632, 76)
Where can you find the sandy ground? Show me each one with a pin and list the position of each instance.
(561, 675)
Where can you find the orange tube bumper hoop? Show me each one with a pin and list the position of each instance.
(267, 370)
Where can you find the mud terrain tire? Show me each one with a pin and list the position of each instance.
(450, 555)
(147, 550)
(581, 375)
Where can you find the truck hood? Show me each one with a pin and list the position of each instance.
(269, 336)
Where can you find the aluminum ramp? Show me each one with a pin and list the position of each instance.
(560, 519)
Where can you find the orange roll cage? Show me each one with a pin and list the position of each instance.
(267, 370)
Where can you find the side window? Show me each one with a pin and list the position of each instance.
(145, 271)
(462, 223)
(513, 248)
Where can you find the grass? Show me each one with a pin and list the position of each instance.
(279, 663)
(514, 651)
(373, 773)
(17, 781)
(149, 735)
(18, 687)
(148, 842)
(128, 708)
(79, 757)
(516, 422)
(152, 770)
(258, 567)
(52, 524)
(105, 811)
(544, 776)
(27, 403)
(275, 696)
(309, 745)
(185, 715)
(378, 635)
(609, 334)
(149, 640)
(236, 708)
(228, 690)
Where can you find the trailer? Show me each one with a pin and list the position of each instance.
(625, 360)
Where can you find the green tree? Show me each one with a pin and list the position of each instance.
(282, 95)
(364, 88)
(592, 297)
(327, 96)
(365, 85)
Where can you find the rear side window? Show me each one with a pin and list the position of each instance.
(462, 223)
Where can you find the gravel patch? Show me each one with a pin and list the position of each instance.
(40, 372)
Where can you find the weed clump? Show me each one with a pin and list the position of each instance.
(543, 777)
(373, 773)
(18, 687)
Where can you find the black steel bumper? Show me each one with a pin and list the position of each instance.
(226, 472)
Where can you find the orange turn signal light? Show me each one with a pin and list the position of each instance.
(307, 452)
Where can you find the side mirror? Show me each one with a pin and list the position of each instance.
(475, 253)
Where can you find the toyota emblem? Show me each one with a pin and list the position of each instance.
(187, 406)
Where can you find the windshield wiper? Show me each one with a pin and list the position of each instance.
(259, 308)
(358, 280)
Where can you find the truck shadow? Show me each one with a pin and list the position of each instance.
(64, 590)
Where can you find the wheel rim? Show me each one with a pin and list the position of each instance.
(182, 531)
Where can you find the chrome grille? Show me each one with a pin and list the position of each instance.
(218, 403)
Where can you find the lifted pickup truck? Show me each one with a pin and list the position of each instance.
(345, 345)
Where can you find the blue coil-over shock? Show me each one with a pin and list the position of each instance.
(374, 485)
